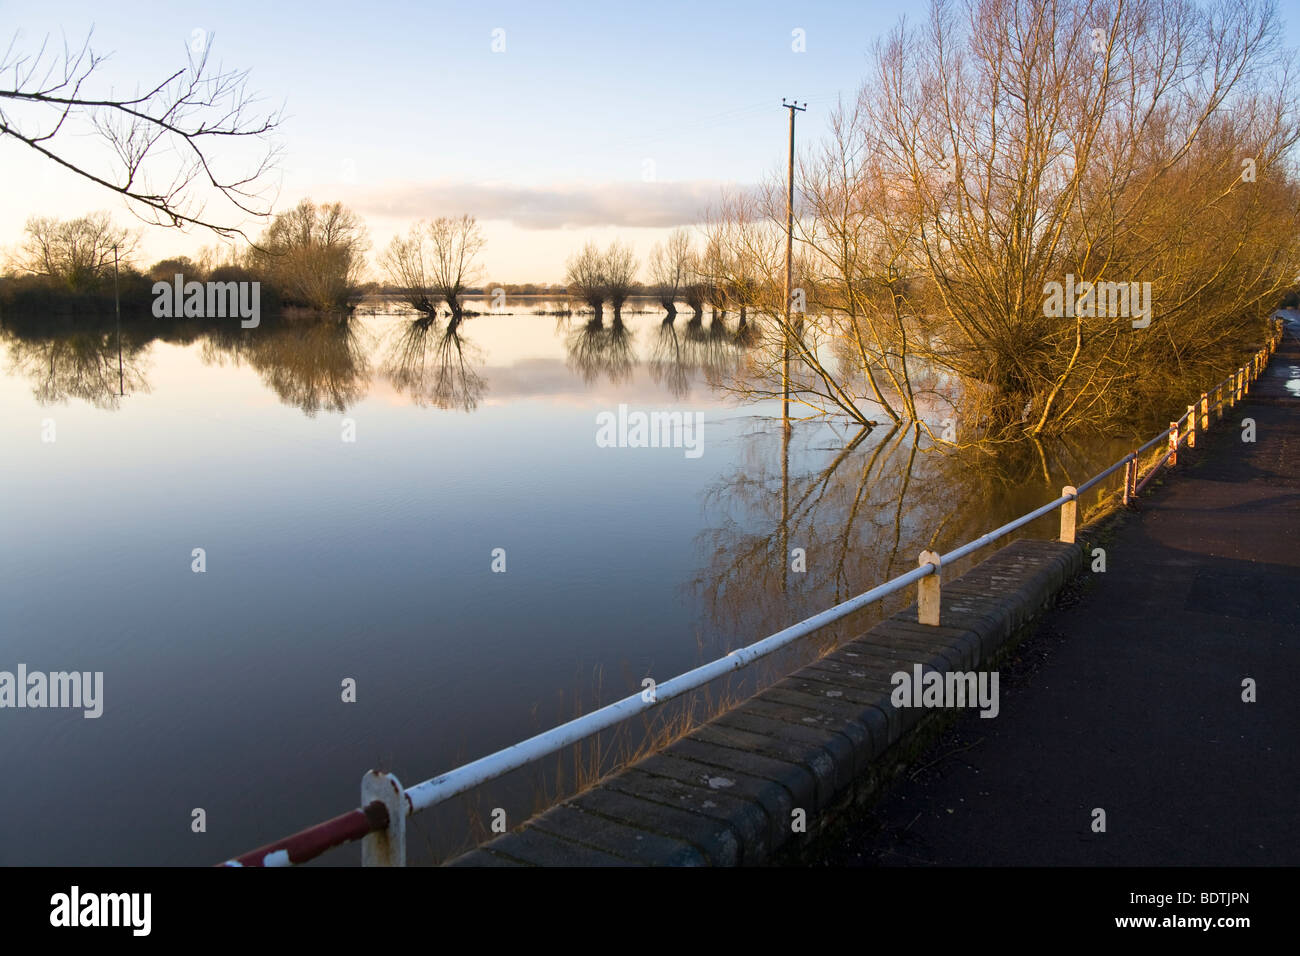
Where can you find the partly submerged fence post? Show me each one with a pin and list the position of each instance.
(1205, 412)
(1173, 444)
(1069, 514)
(385, 847)
(1130, 479)
(1191, 426)
(927, 591)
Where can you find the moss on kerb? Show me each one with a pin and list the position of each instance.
(733, 791)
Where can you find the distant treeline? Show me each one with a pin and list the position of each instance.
(310, 258)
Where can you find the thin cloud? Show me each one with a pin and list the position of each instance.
(633, 204)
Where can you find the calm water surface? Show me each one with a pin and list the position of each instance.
(371, 560)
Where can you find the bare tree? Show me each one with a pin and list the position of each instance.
(585, 277)
(456, 244)
(715, 267)
(406, 262)
(1103, 143)
(1139, 155)
(314, 255)
(694, 288)
(76, 253)
(619, 267)
(161, 145)
(670, 268)
(435, 262)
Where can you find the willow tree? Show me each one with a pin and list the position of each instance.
(456, 244)
(618, 267)
(436, 262)
(585, 278)
(1045, 214)
(406, 263)
(1087, 145)
(670, 269)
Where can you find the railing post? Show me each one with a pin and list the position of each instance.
(384, 847)
(1219, 399)
(1130, 479)
(1236, 386)
(1191, 426)
(1205, 412)
(1069, 514)
(1173, 444)
(927, 591)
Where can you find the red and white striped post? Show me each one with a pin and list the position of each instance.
(386, 847)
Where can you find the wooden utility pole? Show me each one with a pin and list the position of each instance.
(789, 252)
(117, 311)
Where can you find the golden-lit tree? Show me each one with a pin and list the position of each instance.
(76, 253)
(314, 255)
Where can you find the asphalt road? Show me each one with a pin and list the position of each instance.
(1129, 697)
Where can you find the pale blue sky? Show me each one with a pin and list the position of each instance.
(405, 110)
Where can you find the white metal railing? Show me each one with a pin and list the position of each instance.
(380, 822)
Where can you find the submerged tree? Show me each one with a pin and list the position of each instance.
(693, 289)
(1052, 214)
(436, 262)
(456, 247)
(619, 268)
(585, 277)
(670, 269)
(593, 276)
(406, 262)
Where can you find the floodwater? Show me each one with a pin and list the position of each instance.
(352, 487)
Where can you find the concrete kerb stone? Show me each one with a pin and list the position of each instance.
(821, 738)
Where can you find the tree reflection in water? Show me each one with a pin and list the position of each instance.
(91, 366)
(596, 349)
(312, 365)
(862, 509)
(712, 350)
(435, 367)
